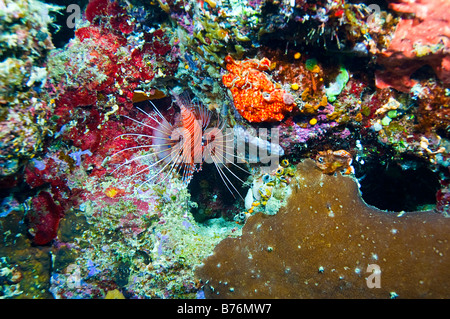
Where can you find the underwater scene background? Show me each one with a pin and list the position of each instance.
(224, 149)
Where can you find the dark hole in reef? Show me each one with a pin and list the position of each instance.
(444, 133)
(398, 186)
(423, 73)
(212, 196)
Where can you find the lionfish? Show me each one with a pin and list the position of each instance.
(183, 146)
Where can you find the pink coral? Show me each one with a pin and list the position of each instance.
(418, 41)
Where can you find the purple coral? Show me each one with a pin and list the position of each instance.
(77, 156)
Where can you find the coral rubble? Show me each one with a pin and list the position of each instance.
(323, 243)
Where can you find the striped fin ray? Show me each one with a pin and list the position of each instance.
(182, 147)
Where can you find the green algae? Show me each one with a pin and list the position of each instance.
(338, 85)
(310, 64)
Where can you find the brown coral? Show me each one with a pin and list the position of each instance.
(321, 246)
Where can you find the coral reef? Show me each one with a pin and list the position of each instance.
(24, 267)
(323, 243)
(362, 91)
(10, 278)
(25, 42)
(151, 253)
(268, 191)
(420, 39)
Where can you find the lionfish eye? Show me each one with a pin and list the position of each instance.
(320, 159)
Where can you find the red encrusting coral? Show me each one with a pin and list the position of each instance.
(111, 10)
(43, 225)
(418, 41)
(255, 96)
(96, 8)
(94, 102)
(53, 199)
(122, 64)
(103, 52)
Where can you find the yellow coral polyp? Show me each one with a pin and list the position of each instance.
(324, 101)
(316, 69)
(305, 94)
(285, 163)
(290, 171)
(211, 3)
(114, 294)
(111, 192)
(222, 34)
(279, 171)
(266, 192)
(164, 6)
(295, 86)
(309, 108)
